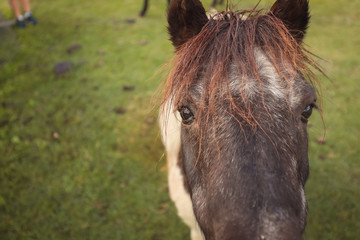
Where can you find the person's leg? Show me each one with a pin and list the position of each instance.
(15, 7)
(26, 5)
(27, 9)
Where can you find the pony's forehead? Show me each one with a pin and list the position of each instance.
(281, 82)
(231, 56)
(285, 84)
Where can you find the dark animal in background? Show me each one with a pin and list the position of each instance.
(146, 3)
(215, 2)
(234, 120)
(145, 7)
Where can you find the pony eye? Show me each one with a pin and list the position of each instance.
(307, 113)
(186, 115)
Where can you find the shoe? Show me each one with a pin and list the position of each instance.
(31, 19)
(20, 23)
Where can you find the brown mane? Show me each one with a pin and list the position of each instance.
(227, 38)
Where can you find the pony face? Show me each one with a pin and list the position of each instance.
(246, 168)
(238, 102)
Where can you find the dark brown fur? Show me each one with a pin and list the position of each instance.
(244, 157)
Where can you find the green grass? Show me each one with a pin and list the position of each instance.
(73, 168)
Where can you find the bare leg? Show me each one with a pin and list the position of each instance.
(15, 7)
(26, 5)
(28, 15)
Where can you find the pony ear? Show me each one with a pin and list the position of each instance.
(186, 19)
(294, 14)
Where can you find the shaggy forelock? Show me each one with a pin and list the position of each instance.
(227, 50)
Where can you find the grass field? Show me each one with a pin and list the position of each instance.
(81, 156)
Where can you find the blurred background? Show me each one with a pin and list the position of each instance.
(80, 150)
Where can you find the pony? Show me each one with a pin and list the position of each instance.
(146, 3)
(233, 120)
